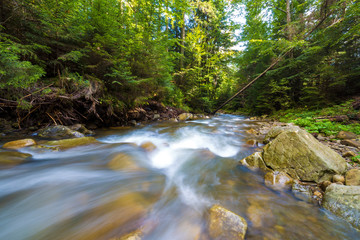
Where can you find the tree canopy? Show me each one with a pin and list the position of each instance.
(119, 54)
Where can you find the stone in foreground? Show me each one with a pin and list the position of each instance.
(300, 155)
(19, 143)
(344, 201)
(224, 224)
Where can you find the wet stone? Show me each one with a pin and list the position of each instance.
(278, 180)
(71, 143)
(19, 143)
(8, 159)
(224, 224)
(148, 146)
(123, 161)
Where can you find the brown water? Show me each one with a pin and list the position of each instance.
(111, 189)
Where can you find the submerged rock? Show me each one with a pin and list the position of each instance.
(148, 146)
(344, 201)
(135, 235)
(59, 132)
(302, 191)
(9, 159)
(123, 161)
(72, 142)
(352, 177)
(224, 224)
(300, 155)
(19, 143)
(278, 180)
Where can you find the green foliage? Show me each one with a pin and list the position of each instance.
(15, 72)
(317, 120)
(321, 69)
(356, 159)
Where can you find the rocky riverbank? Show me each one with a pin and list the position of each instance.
(317, 168)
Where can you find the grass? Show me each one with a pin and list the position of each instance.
(316, 121)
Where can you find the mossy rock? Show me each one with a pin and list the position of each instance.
(344, 201)
(224, 224)
(301, 156)
(72, 142)
(59, 132)
(8, 159)
(19, 143)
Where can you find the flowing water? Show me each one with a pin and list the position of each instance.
(107, 190)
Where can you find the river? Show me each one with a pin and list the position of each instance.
(107, 190)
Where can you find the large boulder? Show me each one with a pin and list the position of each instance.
(59, 132)
(344, 201)
(300, 155)
(276, 131)
(224, 224)
(19, 143)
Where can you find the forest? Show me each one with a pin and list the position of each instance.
(80, 60)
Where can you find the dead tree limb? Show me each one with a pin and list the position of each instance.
(271, 66)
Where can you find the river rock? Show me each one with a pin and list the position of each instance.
(349, 154)
(351, 143)
(255, 160)
(352, 177)
(148, 146)
(123, 211)
(224, 224)
(252, 143)
(185, 116)
(346, 135)
(19, 143)
(251, 131)
(277, 180)
(123, 161)
(259, 214)
(299, 154)
(338, 178)
(81, 128)
(71, 143)
(276, 131)
(324, 184)
(344, 201)
(59, 132)
(135, 235)
(302, 191)
(8, 159)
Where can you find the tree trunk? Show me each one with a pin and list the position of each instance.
(288, 20)
(182, 42)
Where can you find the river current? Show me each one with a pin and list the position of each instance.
(107, 190)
